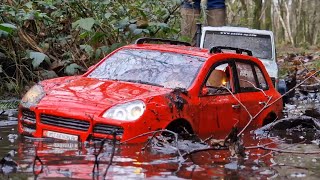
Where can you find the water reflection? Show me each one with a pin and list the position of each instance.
(59, 159)
(76, 160)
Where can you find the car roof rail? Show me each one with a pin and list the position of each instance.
(218, 49)
(168, 41)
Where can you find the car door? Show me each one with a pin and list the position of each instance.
(252, 90)
(219, 109)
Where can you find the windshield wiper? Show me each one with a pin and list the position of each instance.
(140, 82)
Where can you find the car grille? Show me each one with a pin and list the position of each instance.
(107, 129)
(28, 116)
(65, 122)
(28, 121)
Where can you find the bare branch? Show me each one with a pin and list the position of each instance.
(293, 88)
(282, 150)
(268, 105)
(252, 118)
(245, 108)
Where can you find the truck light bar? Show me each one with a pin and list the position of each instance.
(218, 49)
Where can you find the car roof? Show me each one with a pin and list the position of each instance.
(189, 50)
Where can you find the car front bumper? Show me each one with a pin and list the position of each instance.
(40, 123)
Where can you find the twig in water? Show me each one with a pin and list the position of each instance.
(264, 146)
(149, 141)
(204, 149)
(281, 149)
(37, 158)
(112, 153)
(161, 130)
(209, 138)
(96, 155)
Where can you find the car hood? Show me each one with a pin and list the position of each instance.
(94, 95)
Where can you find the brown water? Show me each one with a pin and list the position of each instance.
(64, 160)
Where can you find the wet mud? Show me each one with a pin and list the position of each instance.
(288, 148)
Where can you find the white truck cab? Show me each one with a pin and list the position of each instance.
(260, 42)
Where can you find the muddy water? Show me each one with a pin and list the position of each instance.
(73, 160)
(63, 160)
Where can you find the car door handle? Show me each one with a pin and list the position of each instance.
(262, 103)
(235, 106)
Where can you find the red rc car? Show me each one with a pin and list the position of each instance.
(146, 87)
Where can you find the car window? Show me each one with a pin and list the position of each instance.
(167, 69)
(261, 79)
(219, 80)
(246, 77)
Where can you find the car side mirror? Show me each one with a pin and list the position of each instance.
(90, 68)
(205, 91)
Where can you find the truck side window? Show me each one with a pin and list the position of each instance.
(219, 80)
(246, 77)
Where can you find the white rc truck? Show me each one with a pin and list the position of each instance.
(260, 42)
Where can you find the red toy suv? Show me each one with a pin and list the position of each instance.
(145, 87)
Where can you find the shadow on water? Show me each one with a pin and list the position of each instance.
(24, 158)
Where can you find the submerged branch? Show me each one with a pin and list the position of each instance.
(158, 131)
(112, 154)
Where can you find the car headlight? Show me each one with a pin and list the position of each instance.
(126, 112)
(33, 96)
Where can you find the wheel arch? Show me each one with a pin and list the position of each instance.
(271, 117)
(176, 124)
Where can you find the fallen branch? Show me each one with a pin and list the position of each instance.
(264, 147)
(158, 131)
(204, 149)
(281, 149)
(231, 142)
(149, 141)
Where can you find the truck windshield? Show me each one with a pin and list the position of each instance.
(165, 69)
(260, 45)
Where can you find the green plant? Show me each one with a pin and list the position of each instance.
(45, 39)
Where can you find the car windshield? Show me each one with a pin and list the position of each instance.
(260, 45)
(166, 69)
